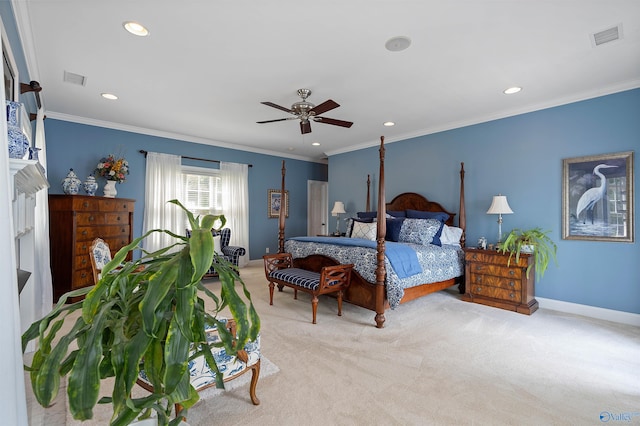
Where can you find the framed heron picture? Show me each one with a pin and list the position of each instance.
(597, 198)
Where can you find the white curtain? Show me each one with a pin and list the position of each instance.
(42, 271)
(235, 204)
(163, 183)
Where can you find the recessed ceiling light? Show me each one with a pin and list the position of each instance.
(136, 28)
(316, 144)
(389, 123)
(109, 96)
(512, 90)
(396, 44)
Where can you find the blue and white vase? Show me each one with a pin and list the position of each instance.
(13, 113)
(18, 142)
(90, 185)
(71, 184)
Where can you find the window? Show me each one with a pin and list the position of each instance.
(202, 190)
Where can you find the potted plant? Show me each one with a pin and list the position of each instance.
(144, 314)
(531, 241)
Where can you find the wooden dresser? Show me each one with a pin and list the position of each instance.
(489, 281)
(75, 221)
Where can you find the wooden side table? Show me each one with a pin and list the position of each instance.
(490, 279)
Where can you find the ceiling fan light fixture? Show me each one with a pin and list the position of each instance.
(135, 28)
(512, 90)
(397, 44)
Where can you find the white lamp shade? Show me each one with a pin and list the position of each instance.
(499, 205)
(338, 208)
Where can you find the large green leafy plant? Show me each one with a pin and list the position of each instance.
(144, 314)
(533, 241)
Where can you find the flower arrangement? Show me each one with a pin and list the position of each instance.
(111, 168)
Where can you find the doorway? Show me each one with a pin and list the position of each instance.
(317, 207)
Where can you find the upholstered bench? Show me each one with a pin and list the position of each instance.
(202, 377)
(279, 270)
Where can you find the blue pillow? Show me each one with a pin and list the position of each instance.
(393, 229)
(364, 215)
(399, 213)
(417, 214)
(419, 231)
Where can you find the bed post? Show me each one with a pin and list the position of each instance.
(368, 192)
(281, 214)
(462, 220)
(381, 233)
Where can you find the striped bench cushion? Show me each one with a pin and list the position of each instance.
(299, 277)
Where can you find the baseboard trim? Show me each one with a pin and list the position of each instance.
(590, 311)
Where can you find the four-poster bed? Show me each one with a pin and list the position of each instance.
(394, 280)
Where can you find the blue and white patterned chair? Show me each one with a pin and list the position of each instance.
(100, 255)
(230, 253)
(231, 367)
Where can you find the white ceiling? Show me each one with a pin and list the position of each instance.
(207, 64)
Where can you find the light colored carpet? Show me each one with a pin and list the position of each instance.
(438, 361)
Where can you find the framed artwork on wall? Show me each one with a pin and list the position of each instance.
(597, 198)
(275, 203)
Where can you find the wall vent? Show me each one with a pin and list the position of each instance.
(72, 78)
(607, 36)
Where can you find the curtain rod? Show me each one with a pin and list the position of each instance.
(142, 151)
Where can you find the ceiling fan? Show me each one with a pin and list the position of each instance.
(307, 112)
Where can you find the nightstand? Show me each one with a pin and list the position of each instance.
(489, 281)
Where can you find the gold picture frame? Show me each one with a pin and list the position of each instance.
(274, 203)
(597, 198)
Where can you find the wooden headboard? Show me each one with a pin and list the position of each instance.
(414, 201)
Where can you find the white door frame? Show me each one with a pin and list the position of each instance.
(317, 207)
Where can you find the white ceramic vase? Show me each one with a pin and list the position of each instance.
(110, 189)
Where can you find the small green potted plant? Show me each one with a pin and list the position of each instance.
(144, 314)
(533, 241)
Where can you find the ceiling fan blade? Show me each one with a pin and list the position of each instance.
(271, 104)
(273, 121)
(324, 107)
(305, 127)
(333, 121)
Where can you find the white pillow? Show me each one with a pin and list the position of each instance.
(451, 235)
(364, 230)
(216, 244)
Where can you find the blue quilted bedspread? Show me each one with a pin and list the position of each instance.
(402, 258)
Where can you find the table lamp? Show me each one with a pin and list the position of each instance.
(499, 206)
(338, 209)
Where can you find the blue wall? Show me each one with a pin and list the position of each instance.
(79, 146)
(520, 157)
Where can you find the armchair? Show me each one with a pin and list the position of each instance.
(230, 253)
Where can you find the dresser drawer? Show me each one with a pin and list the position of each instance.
(116, 205)
(83, 247)
(497, 270)
(90, 218)
(496, 293)
(82, 278)
(491, 280)
(82, 261)
(92, 232)
(495, 258)
(120, 218)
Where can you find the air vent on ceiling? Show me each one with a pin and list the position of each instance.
(72, 78)
(607, 36)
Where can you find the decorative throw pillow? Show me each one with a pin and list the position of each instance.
(393, 229)
(451, 235)
(365, 230)
(419, 231)
(352, 220)
(216, 244)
